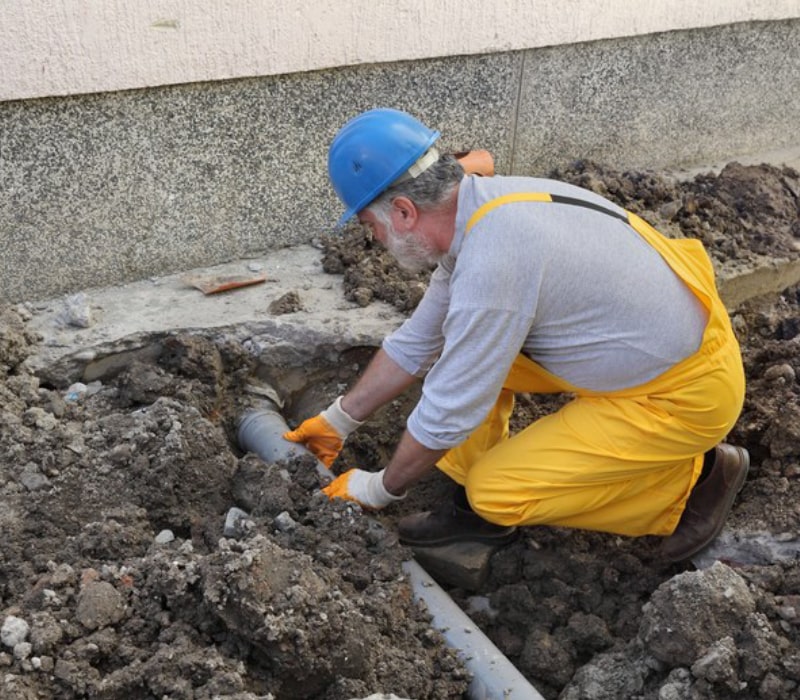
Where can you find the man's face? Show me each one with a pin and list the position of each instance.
(411, 249)
(378, 230)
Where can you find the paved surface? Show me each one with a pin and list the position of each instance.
(125, 317)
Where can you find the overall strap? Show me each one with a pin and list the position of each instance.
(493, 204)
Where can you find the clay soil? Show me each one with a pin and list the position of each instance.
(116, 579)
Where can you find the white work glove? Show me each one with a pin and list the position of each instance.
(325, 433)
(365, 488)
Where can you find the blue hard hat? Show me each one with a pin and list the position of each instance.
(373, 150)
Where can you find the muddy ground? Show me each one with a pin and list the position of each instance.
(116, 580)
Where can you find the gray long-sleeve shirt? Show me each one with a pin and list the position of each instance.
(576, 290)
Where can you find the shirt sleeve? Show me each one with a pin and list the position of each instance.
(419, 340)
(463, 385)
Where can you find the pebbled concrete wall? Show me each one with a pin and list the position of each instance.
(112, 187)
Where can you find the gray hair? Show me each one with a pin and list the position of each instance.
(428, 190)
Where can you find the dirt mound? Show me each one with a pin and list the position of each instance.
(116, 580)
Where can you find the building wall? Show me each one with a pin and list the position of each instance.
(69, 47)
(106, 187)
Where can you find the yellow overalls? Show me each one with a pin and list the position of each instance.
(621, 461)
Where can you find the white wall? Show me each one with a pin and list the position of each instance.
(62, 47)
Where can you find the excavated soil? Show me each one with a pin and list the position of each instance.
(117, 580)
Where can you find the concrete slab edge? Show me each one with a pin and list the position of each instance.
(771, 277)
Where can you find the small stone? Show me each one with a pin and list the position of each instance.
(47, 664)
(22, 651)
(289, 303)
(76, 312)
(40, 418)
(284, 522)
(165, 537)
(235, 522)
(62, 575)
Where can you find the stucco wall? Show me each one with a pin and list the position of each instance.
(68, 47)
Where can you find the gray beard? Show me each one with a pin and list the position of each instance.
(411, 253)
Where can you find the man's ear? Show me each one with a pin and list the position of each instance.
(404, 213)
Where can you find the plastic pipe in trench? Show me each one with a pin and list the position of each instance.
(494, 677)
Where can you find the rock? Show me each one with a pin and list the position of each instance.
(40, 418)
(76, 312)
(289, 303)
(718, 665)
(45, 634)
(284, 522)
(692, 611)
(22, 651)
(235, 521)
(99, 605)
(165, 537)
(14, 631)
(32, 479)
(759, 647)
(605, 677)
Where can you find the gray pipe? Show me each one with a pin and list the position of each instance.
(261, 431)
(494, 677)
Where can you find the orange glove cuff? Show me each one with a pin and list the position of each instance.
(319, 436)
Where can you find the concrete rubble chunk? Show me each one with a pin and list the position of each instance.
(99, 605)
(691, 611)
(14, 631)
(76, 312)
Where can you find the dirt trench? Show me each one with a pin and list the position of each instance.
(116, 580)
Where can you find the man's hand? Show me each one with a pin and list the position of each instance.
(365, 488)
(325, 433)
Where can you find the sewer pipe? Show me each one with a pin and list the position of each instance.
(261, 430)
(494, 677)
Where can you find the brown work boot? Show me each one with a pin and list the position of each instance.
(452, 521)
(709, 503)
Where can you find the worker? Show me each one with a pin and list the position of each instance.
(541, 287)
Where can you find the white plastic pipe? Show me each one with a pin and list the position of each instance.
(261, 431)
(494, 677)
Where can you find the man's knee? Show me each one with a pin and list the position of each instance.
(495, 506)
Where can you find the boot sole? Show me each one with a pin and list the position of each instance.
(738, 485)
